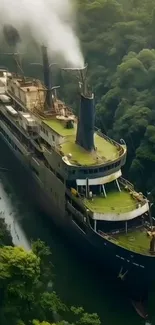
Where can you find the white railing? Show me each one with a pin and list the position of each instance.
(113, 142)
(139, 197)
(125, 182)
(124, 215)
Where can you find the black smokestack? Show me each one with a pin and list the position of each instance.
(47, 79)
(11, 35)
(86, 122)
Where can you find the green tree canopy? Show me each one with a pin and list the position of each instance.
(24, 294)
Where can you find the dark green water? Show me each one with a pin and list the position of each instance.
(77, 281)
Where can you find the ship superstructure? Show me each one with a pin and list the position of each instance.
(77, 170)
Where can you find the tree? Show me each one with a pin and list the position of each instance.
(23, 295)
(24, 278)
(46, 268)
(19, 274)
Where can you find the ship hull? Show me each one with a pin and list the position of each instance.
(135, 271)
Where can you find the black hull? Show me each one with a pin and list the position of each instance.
(135, 271)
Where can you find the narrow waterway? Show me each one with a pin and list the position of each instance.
(77, 281)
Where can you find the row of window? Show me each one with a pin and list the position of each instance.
(46, 132)
(10, 141)
(97, 170)
(43, 130)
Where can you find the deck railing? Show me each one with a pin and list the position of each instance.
(113, 142)
(125, 182)
(129, 246)
(130, 187)
(116, 210)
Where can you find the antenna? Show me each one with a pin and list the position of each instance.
(81, 75)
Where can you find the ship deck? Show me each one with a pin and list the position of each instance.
(136, 240)
(58, 127)
(106, 151)
(115, 202)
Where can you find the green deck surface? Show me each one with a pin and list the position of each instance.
(115, 202)
(136, 240)
(58, 127)
(105, 152)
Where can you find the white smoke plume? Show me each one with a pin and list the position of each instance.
(50, 22)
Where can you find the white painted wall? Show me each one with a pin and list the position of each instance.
(122, 216)
(100, 180)
(51, 137)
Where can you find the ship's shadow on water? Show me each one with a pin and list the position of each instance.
(78, 280)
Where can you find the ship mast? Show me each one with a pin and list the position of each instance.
(49, 101)
(86, 116)
(47, 77)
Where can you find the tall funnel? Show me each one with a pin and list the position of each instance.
(86, 118)
(47, 79)
(86, 122)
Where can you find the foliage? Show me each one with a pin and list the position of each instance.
(24, 279)
(46, 267)
(82, 318)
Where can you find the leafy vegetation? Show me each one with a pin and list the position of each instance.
(25, 291)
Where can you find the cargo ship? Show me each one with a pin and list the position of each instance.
(75, 172)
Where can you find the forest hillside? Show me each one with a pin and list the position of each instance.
(118, 40)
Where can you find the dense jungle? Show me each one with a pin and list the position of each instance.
(119, 45)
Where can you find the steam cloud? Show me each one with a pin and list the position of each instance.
(49, 21)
